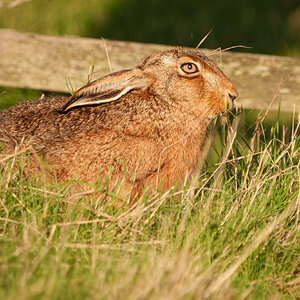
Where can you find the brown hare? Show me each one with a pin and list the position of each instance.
(146, 125)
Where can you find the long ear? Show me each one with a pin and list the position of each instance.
(107, 89)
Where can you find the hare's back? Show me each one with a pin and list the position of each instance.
(40, 123)
(30, 120)
(30, 109)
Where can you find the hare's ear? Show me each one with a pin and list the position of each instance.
(107, 89)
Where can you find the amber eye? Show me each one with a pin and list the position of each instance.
(189, 68)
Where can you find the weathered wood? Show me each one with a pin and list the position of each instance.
(45, 62)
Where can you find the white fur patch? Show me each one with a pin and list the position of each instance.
(169, 62)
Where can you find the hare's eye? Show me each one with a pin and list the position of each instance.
(189, 68)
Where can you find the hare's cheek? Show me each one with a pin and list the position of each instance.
(179, 92)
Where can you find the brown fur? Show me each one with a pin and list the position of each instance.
(151, 120)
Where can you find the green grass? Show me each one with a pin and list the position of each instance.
(10, 96)
(231, 234)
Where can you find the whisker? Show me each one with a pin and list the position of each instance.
(226, 49)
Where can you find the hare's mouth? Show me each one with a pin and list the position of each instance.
(229, 106)
(231, 100)
(230, 103)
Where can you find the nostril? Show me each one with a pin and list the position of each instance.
(232, 97)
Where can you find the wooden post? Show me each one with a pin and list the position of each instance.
(46, 62)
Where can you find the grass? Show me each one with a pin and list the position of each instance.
(233, 233)
(11, 96)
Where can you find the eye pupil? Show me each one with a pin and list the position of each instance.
(190, 66)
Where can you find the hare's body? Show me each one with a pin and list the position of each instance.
(150, 121)
(91, 141)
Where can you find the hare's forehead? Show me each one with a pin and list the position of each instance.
(168, 61)
(177, 61)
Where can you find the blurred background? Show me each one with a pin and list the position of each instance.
(269, 26)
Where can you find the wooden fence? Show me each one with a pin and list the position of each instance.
(45, 62)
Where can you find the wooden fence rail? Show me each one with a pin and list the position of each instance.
(45, 62)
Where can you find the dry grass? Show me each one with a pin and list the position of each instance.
(233, 233)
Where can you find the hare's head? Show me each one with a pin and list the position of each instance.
(193, 80)
(187, 78)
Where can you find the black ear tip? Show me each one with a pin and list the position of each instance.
(64, 108)
(61, 111)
